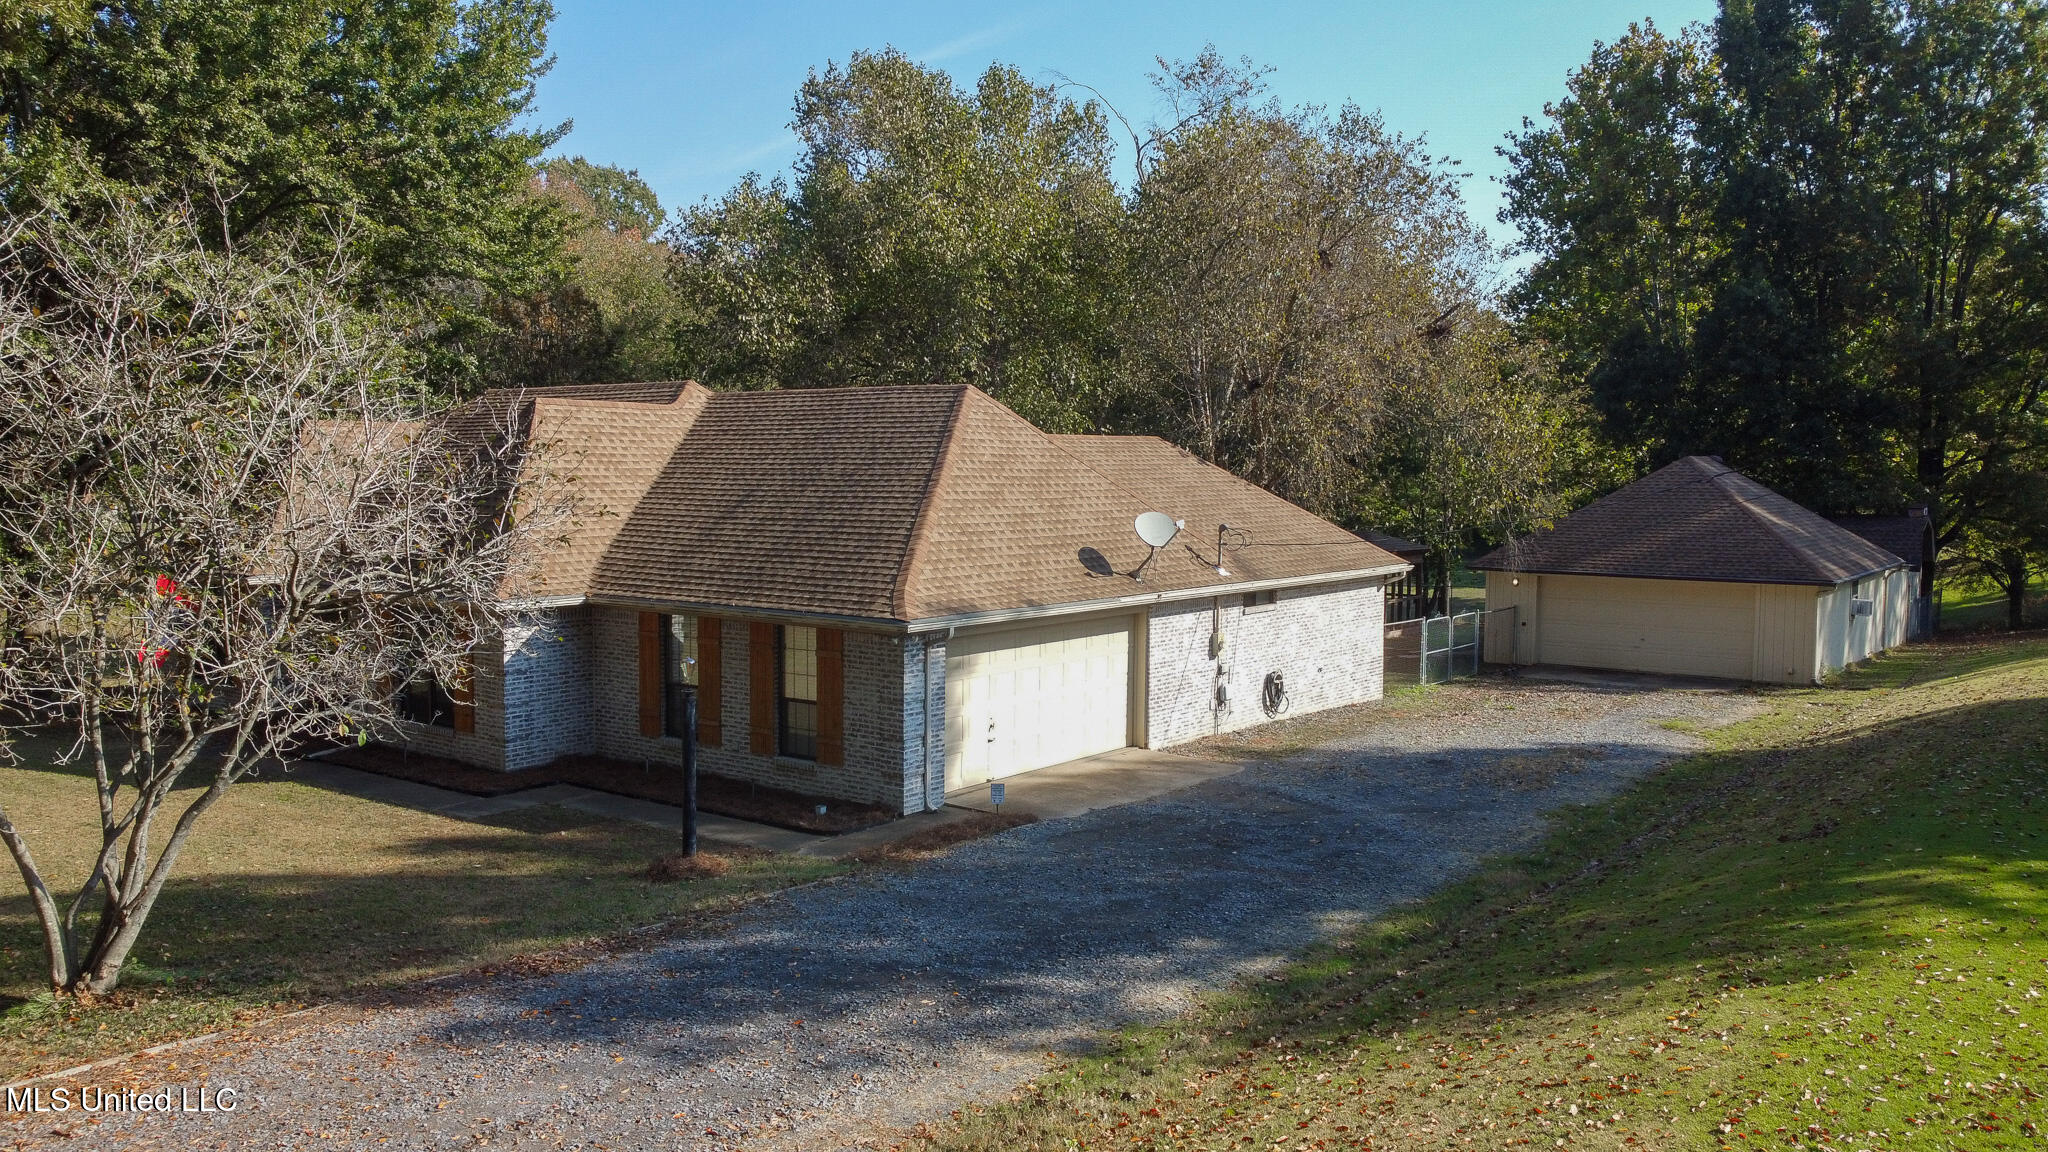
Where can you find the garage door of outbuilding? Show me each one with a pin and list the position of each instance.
(1024, 698)
(1673, 627)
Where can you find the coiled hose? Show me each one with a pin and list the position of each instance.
(1274, 695)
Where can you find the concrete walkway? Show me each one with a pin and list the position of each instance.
(463, 806)
(1125, 776)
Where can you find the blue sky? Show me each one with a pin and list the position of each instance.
(696, 95)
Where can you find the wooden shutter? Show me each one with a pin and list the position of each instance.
(831, 696)
(462, 698)
(710, 683)
(761, 694)
(650, 674)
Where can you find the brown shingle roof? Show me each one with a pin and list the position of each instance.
(604, 443)
(801, 500)
(1696, 519)
(899, 503)
(1019, 519)
(608, 447)
(1399, 546)
(1271, 539)
(1906, 537)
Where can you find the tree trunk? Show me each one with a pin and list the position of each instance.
(56, 939)
(2015, 591)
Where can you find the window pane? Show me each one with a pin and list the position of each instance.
(799, 663)
(800, 729)
(423, 701)
(796, 705)
(681, 645)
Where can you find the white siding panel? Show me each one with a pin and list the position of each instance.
(1520, 592)
(1831, 636)
(1900, 585)
(1784, 633)
(1674, 627)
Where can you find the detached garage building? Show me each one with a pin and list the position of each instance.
(882, 594)
(1697, 570)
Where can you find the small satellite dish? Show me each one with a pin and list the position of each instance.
(1156, 528)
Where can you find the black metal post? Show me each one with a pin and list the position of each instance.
(690, 773)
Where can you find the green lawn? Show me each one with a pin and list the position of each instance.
(1981, 607)
(1468, 589)
(1823, 933)
(289, 894)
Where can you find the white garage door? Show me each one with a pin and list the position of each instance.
(1674, 627)
(1024, 698)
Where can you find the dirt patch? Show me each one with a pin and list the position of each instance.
(660, 783)
(1533, 770)
(677, 866)
(936, 840)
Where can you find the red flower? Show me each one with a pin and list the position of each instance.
(165, 586)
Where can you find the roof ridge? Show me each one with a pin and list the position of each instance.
(1053, 439)
(921, 528)
(687, 389)
(914, 553)
(1799, 553)
(1226, 473)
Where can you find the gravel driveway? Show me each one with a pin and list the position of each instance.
(829, 1016)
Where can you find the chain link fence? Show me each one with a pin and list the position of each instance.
(1435, 649)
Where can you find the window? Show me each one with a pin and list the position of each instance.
(797, 691)
(678, 670)
(424, 701)
(1260, 601)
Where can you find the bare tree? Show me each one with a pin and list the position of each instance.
(223, 532)
(1285, 263)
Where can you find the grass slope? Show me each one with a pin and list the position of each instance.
(289, 894)
(1823, 933)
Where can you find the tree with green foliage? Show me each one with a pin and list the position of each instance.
(1279, 292)
(1612, 197)
(607, 309)
(402, 120)
(930, 234)
(2006, 546)
(1479, 443)
(1284, 266)
(1305, 309)
(1807, 240)
(615, 199)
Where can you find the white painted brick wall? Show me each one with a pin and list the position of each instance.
(1324, 640)
(547, 690)
(532, 699)
(924, 696)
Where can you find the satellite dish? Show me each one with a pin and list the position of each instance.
(1156, 528)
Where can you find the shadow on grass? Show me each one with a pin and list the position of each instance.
(421, 902)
